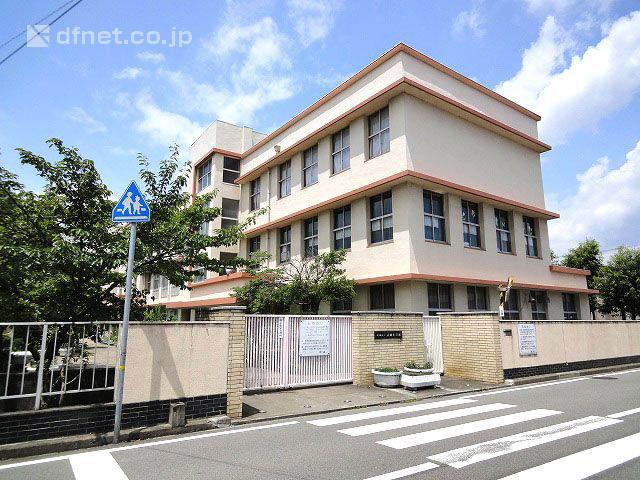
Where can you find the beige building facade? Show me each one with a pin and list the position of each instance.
(431, 181)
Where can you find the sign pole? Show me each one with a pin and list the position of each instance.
(123, 334)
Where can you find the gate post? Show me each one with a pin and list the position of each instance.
(286, 347)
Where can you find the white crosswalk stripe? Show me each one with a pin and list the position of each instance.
(99, 465)
(585, 463)
(461, 457)
(355, 417)
(405, 472)
(465, 429)
(424, 419)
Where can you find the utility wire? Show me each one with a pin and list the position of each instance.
(38, 33)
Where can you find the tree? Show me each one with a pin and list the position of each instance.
(619, 284)
(297, 287)
(587, 256)
(61, 257)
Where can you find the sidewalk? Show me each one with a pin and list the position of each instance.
(305, 401)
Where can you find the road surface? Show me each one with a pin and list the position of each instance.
(585, 427)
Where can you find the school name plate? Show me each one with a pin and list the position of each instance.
(387, 334)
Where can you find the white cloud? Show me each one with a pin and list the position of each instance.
(165, 127)
(121, 151)
(563, 5)
(128, 73)
(470, 20)
(78, 115)
(606, 206)
(602, 80)
(151, 57)
(313, 19)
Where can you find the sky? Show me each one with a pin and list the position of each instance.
(260, 62)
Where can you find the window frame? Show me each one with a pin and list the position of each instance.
(254, 194)
(311, 167)
(206, 225)
(226, 169)
(372, 135)
(433, 311)
(342, 307)
(484, 294)
(286, 244)
(434, 216)
(200, 176)
(509, 313)
(341, 211)
(569, 314)
(313, 221)
(339, 153)
(250, 242)
(198, 277)
(468, 224)
(499, 231)
(530, 239)
(384, 290)
(539, 314)
(381, 218)
(284, 180)
(224, 217)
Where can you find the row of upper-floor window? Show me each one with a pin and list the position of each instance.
(204, 172)
(381, 227)
(378, 140)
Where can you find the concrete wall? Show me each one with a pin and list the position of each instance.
(571, 341)
(175, 360)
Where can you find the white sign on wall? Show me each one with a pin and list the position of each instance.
(527, 339)
(314, 337)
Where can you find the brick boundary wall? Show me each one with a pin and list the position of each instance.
(368, 353)
(235, 367)
(471, 346)
(568, 367)
(78, 420)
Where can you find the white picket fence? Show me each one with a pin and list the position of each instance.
(272, 357)
(433, 342)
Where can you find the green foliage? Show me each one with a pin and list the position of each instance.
(587, 256)
(419, 366)
(298, 286)
(61, 257)
(386, 370)
(619, 284)
(158, 314)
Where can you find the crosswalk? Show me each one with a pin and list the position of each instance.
(462, 411)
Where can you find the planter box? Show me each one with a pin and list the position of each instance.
(414, 382)
(386, 379)
(417, 371)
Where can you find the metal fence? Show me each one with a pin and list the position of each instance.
(433, 342)
(272, 353)
(48, 359)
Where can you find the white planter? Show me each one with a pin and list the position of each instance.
(414, 382)
(386, 379)
(418, 371)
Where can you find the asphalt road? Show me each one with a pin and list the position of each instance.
(587, 427)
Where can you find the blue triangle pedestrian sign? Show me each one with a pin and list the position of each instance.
(131, 207)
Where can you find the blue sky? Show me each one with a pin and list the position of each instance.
(577, 63)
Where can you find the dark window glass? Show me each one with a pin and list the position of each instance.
(471, 224)
(503, 232)
(344, 306)
(477, 298)
(230, 169)
(381, 217)
(311, 237)
(433, 206)
(284, 179)
(342, 228)
(254, 194)
(310, 166)
(230, 209)
(538, 300)
(203, 174)
(382, 297)
(379, 140)
(226, 258)
(530, 236)
(340, 151)
(254, 244)
(569, 306)
(285, 244)
(439, 298)
(512, 307)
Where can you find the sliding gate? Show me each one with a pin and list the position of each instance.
(289, 350)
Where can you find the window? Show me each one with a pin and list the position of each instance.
(204, 228)
(538, 300)
(310, 166)
(530, 237)
(381, 214)
(340, 151)
(379, 141)
(511, 307)
(226, 258)
(569, 306)
(230, 169)
(229, 212)
(284, 179)
(439, 298)
(477, 298)
(342, 306)
(503, 232)
(311, 237)
(342, 228)
(199, 274)
(254, 245)
(204, 175)
(433, 206)
(155, 286)
(285, 244)
(254, 194)
(471, 224)
(382, 297)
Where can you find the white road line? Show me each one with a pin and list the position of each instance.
(526, 387)
(150, 444)
(422, 419)
(405, 472)
(615, 374)
(586, 463)
(323, 422)
(465, 429)
(625, 413)
(461, 457)
(98, 465)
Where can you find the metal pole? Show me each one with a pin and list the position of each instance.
(122, 340)
(43, 352)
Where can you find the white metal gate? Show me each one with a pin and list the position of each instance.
(433, 342)
(272, 358)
